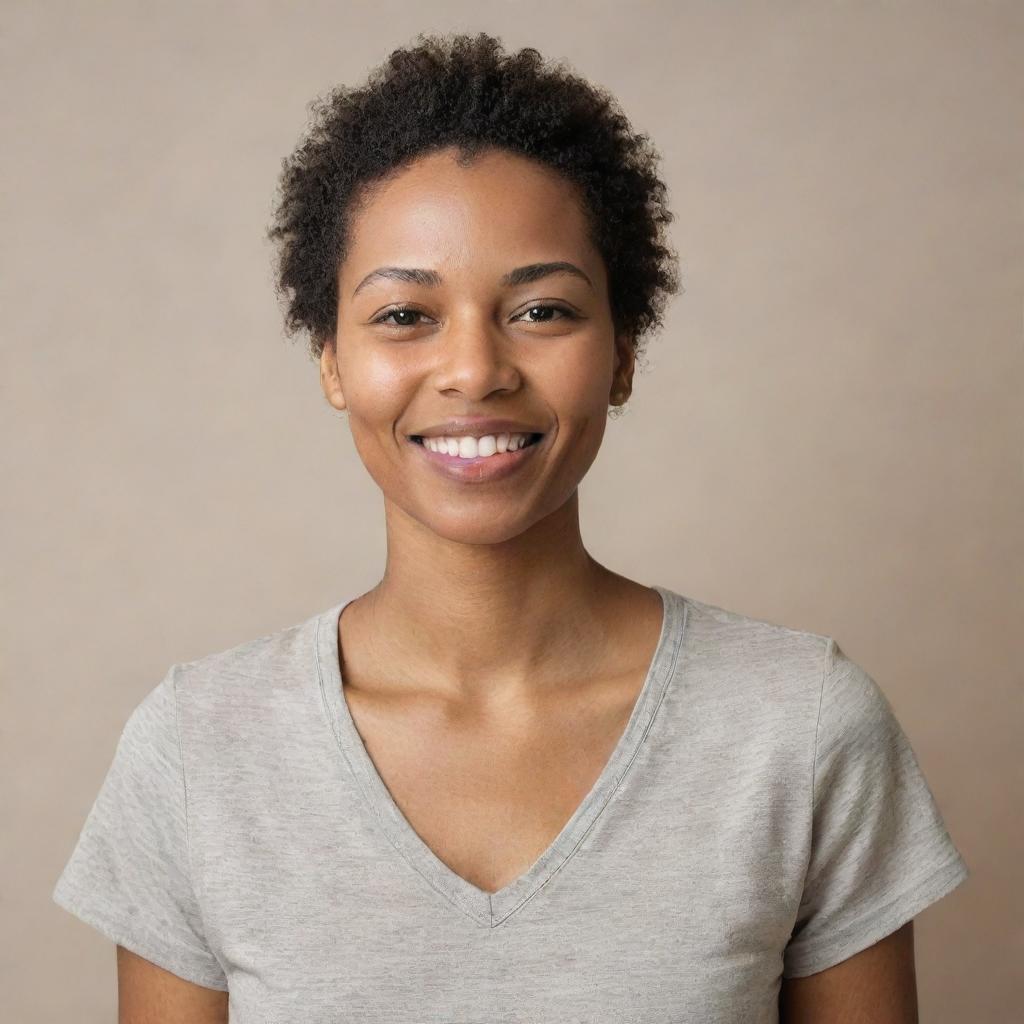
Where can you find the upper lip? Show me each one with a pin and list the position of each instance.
(476, 426)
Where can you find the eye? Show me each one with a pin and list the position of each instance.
(567, 314)
(405, 314)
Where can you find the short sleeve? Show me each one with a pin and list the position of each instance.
(880, 851)
(129, 875)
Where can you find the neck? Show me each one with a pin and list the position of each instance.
(501, 620)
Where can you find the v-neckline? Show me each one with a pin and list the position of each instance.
(491, 908)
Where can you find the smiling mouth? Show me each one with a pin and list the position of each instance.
(532, 439)
(480, 469)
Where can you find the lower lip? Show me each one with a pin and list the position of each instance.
(479, 470)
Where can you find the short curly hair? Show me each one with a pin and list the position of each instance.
(465, 92)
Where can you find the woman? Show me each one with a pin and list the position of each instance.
(507, 783)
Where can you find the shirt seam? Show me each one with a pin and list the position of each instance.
(826, 661)
(829, 643)
(192, 874)
(365, 784)
(665, 684)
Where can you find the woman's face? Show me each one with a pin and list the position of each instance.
(466, 336)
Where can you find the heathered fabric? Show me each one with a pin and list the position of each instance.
(763, 815)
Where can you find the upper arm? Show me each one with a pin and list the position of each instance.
(878, 985)
(147, 994)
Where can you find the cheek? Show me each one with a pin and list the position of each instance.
(377, 388)
(578, 381)
(377, 394)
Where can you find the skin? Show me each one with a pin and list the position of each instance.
(508, 551)
(147, 994)
(430, 656)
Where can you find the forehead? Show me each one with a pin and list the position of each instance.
(499, 209)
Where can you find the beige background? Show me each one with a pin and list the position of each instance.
(827, 434)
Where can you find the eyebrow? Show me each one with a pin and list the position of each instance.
(431, 278)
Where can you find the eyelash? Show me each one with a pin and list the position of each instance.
(568, 314)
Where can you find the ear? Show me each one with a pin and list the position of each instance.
(625, 363)
(330, 377)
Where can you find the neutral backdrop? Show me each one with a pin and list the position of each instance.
(827, 434)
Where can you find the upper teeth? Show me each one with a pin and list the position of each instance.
(476, 447)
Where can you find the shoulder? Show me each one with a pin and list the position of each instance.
(265, 661)
(757, 658)
(852, 702)
(225, 697)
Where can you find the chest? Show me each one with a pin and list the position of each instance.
(670, 897)
(488, 792)
(665, 903)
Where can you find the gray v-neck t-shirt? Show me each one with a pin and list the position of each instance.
(762, 816)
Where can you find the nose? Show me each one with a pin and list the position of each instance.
(475, 359)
